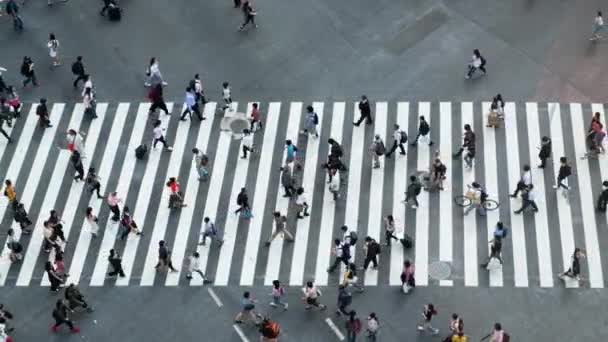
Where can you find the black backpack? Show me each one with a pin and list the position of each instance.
(315, 119)
(76, 68)
(424, 128)
(140, 151)
(25, 69)
(403, 137)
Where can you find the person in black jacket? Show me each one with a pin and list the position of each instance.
(423, 130)
(22, 218)
(164, 257)
(603, 199)
(116, 262)
(60, 314)
(43, 114)
(365, 112)
(77, 163)
(372, 249)
(78, 69)
(562, 175)
(545, 151)
(249, 14)
(27, 70)
(468, 142)
(76, 299)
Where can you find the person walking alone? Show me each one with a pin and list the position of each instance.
(93, 221)
(210, 231)
(427, 314)
(53, 45)
(60, 314)
(371, 249)
(249, 13)
(598, 26)
(389, 229)
(602, 200)
(156, 97)
(280, 222)
(164, 257)
(116, 262)
(312, 120)
(27, 70)
(413, 190)
(78, 71)
(353, 326)
(365, 112)
(477, 62)
(77, 163)
(301, 203)
(153, 74)
(524, 182)
(562, 175)
(278, 292)
(423, 131)
(545, 151)
(288, 181)
(373, 325)
(527, 198)
(194, 266)
(157, 132)
(201, 161)
(311, 296)
(399, 138)
(113, 201)
(468, 143)
(191, 105)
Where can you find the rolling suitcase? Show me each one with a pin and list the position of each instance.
(140, 151)
(407, 241)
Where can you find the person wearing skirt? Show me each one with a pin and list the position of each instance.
(53, 45)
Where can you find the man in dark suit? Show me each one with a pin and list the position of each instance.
(365, 110)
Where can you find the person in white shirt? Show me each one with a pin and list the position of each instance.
(227, 96)
(247, 143)
(88, 84)
(598, 25)
(477, 62)
(154, 75)
(399, 138)
(210, 231)
(88, 100)
(524, 182)
(201, 160)
(53, 45)
(334, 184)
(301, 203)
(194, 266)
(527, 198)
(159, 136)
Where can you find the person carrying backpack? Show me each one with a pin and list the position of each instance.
(399, 138)
(500, 231)
(377, 149)
(423, 130)
(312, 120)
(353, 326)
(413, 190)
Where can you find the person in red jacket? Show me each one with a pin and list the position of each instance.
(156, 96)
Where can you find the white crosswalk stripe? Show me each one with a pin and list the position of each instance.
(537, 248)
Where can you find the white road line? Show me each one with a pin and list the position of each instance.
(351, 218)
(518, 236)
(212, 293)
(399, 212)
(275, 251)
(163, 212)
(422, 213)
(566, 229)
(252, 246)
(124, 182)
(470, 220)
(491, 183)
(185, 219)
(335, 329)
(48, 204)
(103, 171)
(446, 244)
(308, 181)
(543, 245)
(376, 193)
(596, 277)
(29, 190)
(238, 328)
(232, 221)
(74, 195)
(213, 196)
(329, 205)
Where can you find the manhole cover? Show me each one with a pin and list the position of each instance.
(440, 270)
(237, 125)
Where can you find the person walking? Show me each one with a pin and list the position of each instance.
(227, 96)
(373, 325)
(574, 272)
(438, 171)
(249, 13)
(389, 229)
(365, 112)
(3, 86)
(5, 116)
(154, 75)
(341, 251)
(423, 131)
(79, 71)
(377, 149)
(43, 114)
(194, 266)
(20, 216)
(93, 222)
(278, 292)
(60, 314)
(312, 120)
(427, 314)
(288, 181)
(53, 45)
(242, 200)
(158, 135)
(14, 246)
(353, 326)
(602, 200)
(290, 153)
(76, 299)
(399, 138)
(408, 280)
(524, 182)
(107, 4)
(247, 143)
(311, 296)
(197, 87)
(156, 97)
(247, 312)
(164, 257)
(75, 142)
(12, 9)
(88, 100)
(210, 231)
(545, 151)
(598, 26)
(280, 222)
(116, 263)
(562, 175)
(27, 70)
(10, 193)
(497, 334)
(255, 118)
(77, 163)
(201, 162)
(413, 190)
(191, 105)
(371, 249)
(113, 201)
(495, 252)
(54, 278)
(477, 62)
(345, 298)
(527, 197)
(334, 184)
(351, 279)
(301, 203)
(468, 143)
(93, 181)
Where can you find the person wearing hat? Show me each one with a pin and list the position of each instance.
(603, 199)
(43, 114)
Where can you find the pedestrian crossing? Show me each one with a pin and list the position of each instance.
(538, 247)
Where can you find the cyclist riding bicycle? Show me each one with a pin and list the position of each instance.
(478, 196)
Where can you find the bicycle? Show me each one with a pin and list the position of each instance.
(468, 198)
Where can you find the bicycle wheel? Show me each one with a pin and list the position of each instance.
(490, 205)
(462, 201)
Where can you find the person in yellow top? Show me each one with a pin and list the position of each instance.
(9, 191)
(460, 337)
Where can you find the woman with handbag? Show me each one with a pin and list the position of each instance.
(408, 281)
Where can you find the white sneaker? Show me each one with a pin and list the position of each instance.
(414, 206)
(555, 187)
